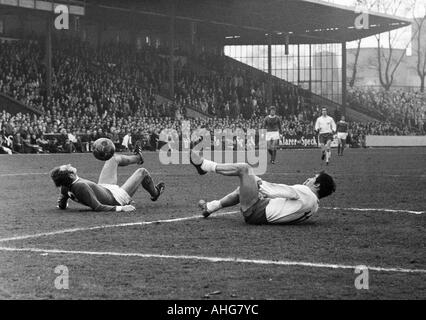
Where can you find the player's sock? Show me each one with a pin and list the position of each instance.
(327, 156)
(323, 155)
(196, 160)
(160, 189)
(338, 149)
(149, 186)
(208, 166)
(214, 206)
(274, 154)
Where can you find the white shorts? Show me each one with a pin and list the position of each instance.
(342, 135)
(272, 135)
(119, 194)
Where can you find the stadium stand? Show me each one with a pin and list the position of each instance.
(113, 92)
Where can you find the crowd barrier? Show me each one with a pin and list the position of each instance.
(395, 141)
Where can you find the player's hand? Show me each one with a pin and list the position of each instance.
(128, 208)
(62, 202)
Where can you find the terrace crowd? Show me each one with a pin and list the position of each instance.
(396, 106)
(112, 92)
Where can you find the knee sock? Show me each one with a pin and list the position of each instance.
(327, 155)
(213, 206)
(209, 166)
(149, 186)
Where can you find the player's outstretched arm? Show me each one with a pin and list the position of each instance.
(63, 199)
(276, 190)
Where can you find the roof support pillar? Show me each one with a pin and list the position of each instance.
(269, 88)
(48, 55)
(344, 80)
(172, 49)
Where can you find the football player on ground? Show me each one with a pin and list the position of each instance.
(342, 134)
(263, 202)
(105, 195)
(272, 124)
(326, 127)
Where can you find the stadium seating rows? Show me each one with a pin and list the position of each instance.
(112, 92)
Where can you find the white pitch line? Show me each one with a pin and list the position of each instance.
(213, 259)
(376, 209)
(106, 226)
(22, 174)
(268, 173)
(45, 234)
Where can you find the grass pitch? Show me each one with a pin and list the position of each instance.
(182, 256)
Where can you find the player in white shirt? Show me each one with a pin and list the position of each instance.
(326, 127)
(263, 202)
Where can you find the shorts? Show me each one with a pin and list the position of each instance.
(256, 214)
(272, 135)
(325, 137)
(120, 195)
(342, 135)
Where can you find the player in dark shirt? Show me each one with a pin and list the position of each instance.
(105, 195)
(272, 124)
(342, 134)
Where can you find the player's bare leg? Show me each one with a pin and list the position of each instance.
(322, 151)
(142, 177)
(248, 180)
(270, 149)
(327, 152)
(109, 171)
(230, 200)
(273, 150)
(342, 143)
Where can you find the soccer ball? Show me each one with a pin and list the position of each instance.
(103, 149)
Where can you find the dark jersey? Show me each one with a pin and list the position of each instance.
(89, 194)
(272, 123)
(342, 126)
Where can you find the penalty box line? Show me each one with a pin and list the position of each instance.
(107, 226)
(71, 230)
(289, 174)
(374, 209)
(215, 259)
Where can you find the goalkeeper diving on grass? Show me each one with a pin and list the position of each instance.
(105, 195)
(262, 202)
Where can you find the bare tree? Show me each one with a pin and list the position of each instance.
(389, 60)
(355, 64)
(365, 4)
(421, 50)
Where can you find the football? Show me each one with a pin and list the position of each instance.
(103, 149)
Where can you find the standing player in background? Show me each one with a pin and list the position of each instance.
(342, 134)
(326, 127)
(272, 124)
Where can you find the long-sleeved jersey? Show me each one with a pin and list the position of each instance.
(272, 123)
(89, 194)
(325, 124)
(342, 126)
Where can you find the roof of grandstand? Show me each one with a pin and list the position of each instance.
(248, 21)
